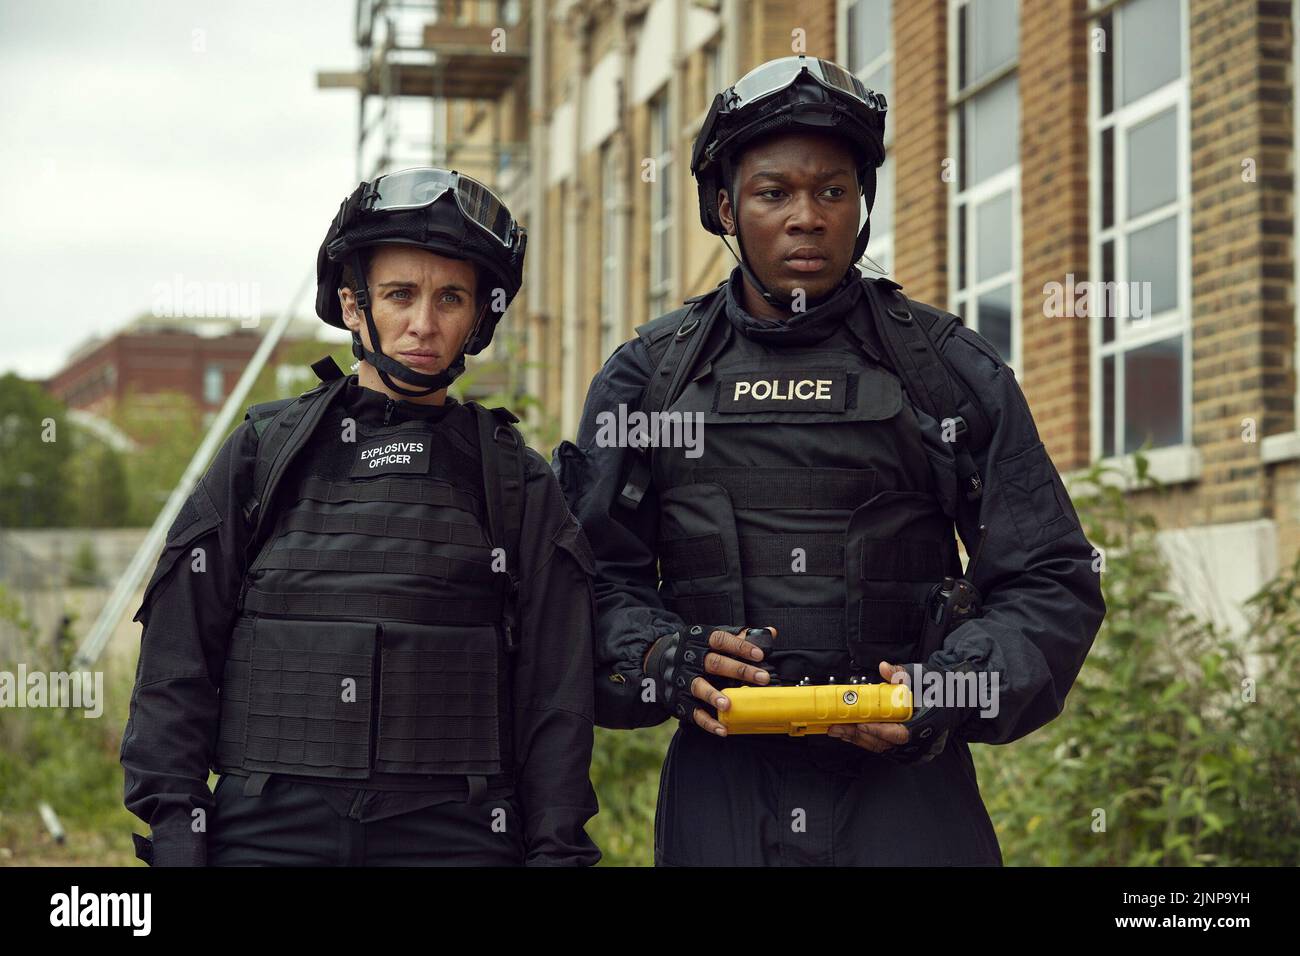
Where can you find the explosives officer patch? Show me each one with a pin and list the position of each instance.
(403, 453)
(807, 390)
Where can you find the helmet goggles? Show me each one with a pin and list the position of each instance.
(768, 80)
(419, 187)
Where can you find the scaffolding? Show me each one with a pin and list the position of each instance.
(419, 59)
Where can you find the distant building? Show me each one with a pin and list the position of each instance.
(199, 358)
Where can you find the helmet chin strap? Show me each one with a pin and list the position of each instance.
(768, 296)
(388, 367)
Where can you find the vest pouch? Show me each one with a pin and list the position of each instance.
(296, 697)
(699, 556)
(438, 707)
(899, 545)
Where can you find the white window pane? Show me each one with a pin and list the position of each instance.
(1108, 405)
(992, 131)
(1153, 258)
(882, 81)
(1153, 163)
(213, 382)
(868, 29)
(994, 36)
(1151, 39)
(993, 318)
(993, 237)
(1153, 394)
(882, 213)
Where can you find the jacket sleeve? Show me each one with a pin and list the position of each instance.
(551, 678)
(630, 614)
(187, 611)
(1042, 598)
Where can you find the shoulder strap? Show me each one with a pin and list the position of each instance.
(501, 449)
(673, 356)
(261, 414)
(283, 427)
(912, 339)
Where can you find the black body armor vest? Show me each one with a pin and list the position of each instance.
(369, 643)
(812, 506)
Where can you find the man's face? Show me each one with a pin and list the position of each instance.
(423, 304)
(797, 199)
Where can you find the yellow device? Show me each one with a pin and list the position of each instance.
(810, 709)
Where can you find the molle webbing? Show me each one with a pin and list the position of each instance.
(836, 489)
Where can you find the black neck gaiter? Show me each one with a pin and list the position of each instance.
(801, 328)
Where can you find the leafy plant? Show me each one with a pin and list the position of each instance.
(1177, 746)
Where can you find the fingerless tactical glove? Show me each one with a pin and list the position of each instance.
(676, 659)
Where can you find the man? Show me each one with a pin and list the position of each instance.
(846, 430)
(373, 616)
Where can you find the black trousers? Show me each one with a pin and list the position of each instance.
(289, 824)
(779, 801)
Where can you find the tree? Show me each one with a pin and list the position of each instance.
(35, 448)
(167, 428)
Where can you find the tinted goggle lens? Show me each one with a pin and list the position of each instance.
(484, 207)
(417, 188)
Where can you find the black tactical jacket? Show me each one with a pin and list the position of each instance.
(170, 739)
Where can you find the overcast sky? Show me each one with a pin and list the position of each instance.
(136, 149)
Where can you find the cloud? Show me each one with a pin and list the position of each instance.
(132, 155)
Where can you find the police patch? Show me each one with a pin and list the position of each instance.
(807, 390)
(403, 453)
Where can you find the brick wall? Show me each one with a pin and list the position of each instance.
(919, 115)
(1241, 260)
(1053, 77)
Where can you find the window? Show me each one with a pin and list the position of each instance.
(661, 205)
(1139, 214)
(713, 82)
(611, 325)
(868, 44)
(213, 384)
(985, 223)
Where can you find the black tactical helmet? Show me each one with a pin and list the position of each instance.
(435, 209)
(790, 93)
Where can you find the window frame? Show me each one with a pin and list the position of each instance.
(660, 280)
(880, 248)
(610, 311)
(1172, 323)
(964, 301)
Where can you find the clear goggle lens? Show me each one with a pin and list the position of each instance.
(778, 74)
(422, 186)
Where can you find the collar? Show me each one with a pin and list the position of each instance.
(802, 328)
(370, 407)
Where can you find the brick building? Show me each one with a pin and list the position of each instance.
(199, 358)
(1102, 188)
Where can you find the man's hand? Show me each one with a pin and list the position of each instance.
(678, 662)
(877, 737)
